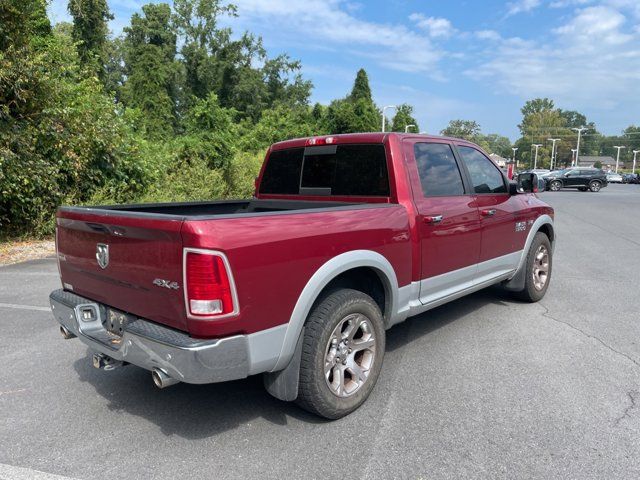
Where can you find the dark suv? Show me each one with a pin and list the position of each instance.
(581, 178)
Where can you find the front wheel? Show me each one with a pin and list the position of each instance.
(539, 262)
(555, 186)
(342, 352)
(595, 186)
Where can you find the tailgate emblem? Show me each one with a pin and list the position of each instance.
(102, 255)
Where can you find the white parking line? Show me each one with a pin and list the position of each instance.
(9, 472)
(25, 307)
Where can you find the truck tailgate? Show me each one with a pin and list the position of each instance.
(141, 250)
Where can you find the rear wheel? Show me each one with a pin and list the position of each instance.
(595, 186)
(555, 186)
(539, 263)
(342, 354)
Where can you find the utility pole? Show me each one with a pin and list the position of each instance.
(618, 156)
(384, 118)
(535, 164)
(579, 130)
(635, 154)
(407, 127)
(553, 151)
(515, 149)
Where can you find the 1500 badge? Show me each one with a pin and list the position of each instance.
(521, 226)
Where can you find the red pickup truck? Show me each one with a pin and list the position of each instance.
(346, 236)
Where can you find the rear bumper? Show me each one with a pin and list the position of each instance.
(152, 346)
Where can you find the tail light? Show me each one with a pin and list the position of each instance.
(208, 285)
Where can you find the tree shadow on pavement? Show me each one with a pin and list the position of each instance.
(201, 411)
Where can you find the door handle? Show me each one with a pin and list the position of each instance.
(488, 213)
(432, 219)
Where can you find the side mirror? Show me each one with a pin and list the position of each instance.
(527, 183)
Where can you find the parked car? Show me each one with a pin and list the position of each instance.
(581, 178)
(614, 178)
(346, 236)
(630, 178)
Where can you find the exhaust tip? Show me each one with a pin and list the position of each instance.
(66, 334)
(161, 379)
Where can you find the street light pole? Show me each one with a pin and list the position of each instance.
(635, 154)
(384, 118)
(579, 130)
(535, 164)
(407, 127)
(573, 155)
(515, 149)
(618, 156)
(553, 151)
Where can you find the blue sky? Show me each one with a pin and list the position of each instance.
(470, 59)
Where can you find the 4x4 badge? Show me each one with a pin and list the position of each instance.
(102, 255)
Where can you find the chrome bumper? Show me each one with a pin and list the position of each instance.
(153, 346)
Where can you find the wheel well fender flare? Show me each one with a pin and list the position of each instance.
(517, 281)
(321, 278)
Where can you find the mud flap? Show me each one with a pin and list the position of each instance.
(283, 384)
(516, 283)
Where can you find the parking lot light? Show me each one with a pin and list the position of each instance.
(579, 130)
(618, 147)
(535, 164)
(635, 154)
(554, 152)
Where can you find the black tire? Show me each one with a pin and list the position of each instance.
(314, 392)
(555, 185)
(583, 189)
(532, 293)
(595, 186)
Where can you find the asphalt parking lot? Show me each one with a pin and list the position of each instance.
(485, 387)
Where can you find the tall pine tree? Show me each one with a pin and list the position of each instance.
(90, 31)
(151, 69)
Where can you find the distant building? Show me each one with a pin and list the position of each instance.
(500, 161)
(608, 163)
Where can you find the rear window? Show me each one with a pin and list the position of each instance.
(345, 170)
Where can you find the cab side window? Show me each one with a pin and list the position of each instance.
(438, 170)
(485, 176)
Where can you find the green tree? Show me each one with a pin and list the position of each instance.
(465, 129)
(238, 71)
(403, 118)
(361, 89)
(494, 143)
(280, 123)
(22, 22)
(60, 137)
(210, 134)
(152, 72)
(90, 31)
(356, 112)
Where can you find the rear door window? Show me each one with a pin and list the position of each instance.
(438, 170)
(485, 176)
(341, 170)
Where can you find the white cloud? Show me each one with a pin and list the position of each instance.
(435, 26)
(330, 23)
(593, 61)
(488, 35)
(522, 6)
(569, 3)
